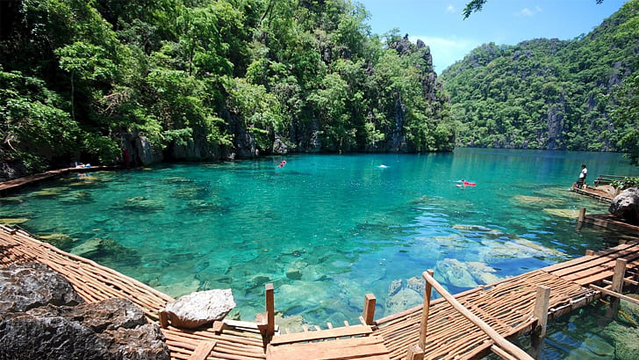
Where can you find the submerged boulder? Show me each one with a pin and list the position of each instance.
(200, 308)
(626, 206)
(43, 320)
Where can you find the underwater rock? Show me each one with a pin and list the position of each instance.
(101, 248)
(260, 280)
(471, 227)
(402, 300)
(625, 339)
(10, 221)
(187, 286)
(535, 200)
(12, 199)
(200, 308)
(630, 309)
(177, 180)
(293, 323)
(190, 192)
(205, 206)
(294, 271)
(86, 247)
(417, 284)
(482, 273)
(62, 241)
(454, 272)
(50, 192)
(394, 287)
(141, 203)
(77, 197)
(517, 248)
(567, 213)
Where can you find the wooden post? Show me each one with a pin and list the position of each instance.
(369, 309)
(620, 273)
(270, 310)
(541, 310)
(617, 286)
(582, 214)
(424, 324)
(415, 353)
(590, 253)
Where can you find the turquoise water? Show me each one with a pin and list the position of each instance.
(325, 229)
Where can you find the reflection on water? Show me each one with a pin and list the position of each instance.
(325, 230)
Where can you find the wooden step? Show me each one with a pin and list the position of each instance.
(368, 347)
(322, 334)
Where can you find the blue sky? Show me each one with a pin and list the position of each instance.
(440, 25)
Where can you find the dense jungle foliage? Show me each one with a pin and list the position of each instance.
(208, 79)
(551, 94)
(82, 80)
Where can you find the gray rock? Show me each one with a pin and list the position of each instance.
(25, 286)
(454, 272)
(85, 331)
(404, 299)
(626, 206)
(394, 287)
(200, 308)
(42, 317)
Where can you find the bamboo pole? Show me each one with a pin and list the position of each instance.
(498, 339)
(426, 309)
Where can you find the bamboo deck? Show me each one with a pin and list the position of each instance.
(14, 184)
(507, 306)
(593, 192)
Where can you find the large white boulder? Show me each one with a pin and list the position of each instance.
(200, 308)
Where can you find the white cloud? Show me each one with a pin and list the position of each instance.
(450, 9)
(446, 51)
(528, 12)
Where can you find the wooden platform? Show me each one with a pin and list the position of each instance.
(11, 185)
(593, 192)
(507, 306)
(241, 341)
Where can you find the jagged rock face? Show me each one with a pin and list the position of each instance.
(23, 287)
(11, 169)
(626, 206)
(112, 329)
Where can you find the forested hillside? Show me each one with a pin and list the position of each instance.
(552, 94)
(208, 79)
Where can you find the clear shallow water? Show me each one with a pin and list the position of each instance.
(325, 229)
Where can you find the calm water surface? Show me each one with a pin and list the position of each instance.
(326, 229)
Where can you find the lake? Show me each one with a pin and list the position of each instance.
(326, 229)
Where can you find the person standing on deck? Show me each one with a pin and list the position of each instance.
(582, 176)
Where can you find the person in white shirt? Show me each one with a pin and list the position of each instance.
(582, 176)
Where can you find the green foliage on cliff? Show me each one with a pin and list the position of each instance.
(230, 76)
(551, 94)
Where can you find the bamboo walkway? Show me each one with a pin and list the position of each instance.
(14, 184)
(507, 306)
